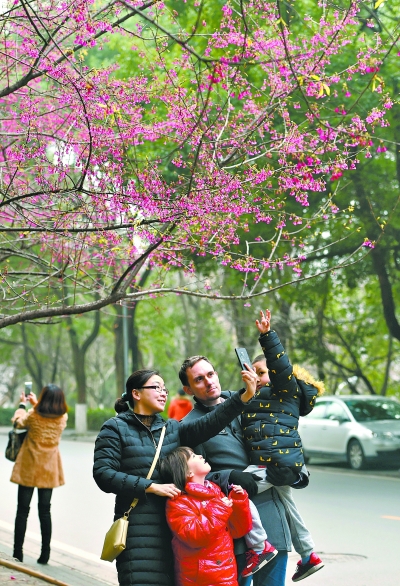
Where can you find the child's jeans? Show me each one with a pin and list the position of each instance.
(301, 537)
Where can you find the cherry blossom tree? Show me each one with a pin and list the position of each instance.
(234, 115)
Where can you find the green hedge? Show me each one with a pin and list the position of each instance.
(96, 417)
(5, 416)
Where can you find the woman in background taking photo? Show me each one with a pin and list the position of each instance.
(38, 463)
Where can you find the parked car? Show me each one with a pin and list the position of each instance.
(356, 428)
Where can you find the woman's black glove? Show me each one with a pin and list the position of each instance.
(245, 480)
(282, 476)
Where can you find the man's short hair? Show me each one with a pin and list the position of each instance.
(188, 363)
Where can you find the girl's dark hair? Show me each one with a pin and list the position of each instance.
(137, 380)
(51, 401)
(174, 467)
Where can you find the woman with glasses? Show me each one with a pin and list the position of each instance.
(38, 463)
(124, 452)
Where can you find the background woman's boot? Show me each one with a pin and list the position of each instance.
(45, 526)
(44, 556)
(20, 530)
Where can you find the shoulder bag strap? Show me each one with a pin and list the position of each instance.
(157, 452)
(135, 501)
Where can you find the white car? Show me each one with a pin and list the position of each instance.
(356, 428)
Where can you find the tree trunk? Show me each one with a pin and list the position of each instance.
(133, 338)
(378, 254)
(320, 330)
(78, 360)
(387, 368)
(119, 350)
(32, 362)
(389, 308)
(133, 335)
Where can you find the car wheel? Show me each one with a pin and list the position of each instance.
(355, 455)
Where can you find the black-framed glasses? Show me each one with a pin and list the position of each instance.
(157, 389)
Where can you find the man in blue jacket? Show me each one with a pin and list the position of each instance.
(227, 457)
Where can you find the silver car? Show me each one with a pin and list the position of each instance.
(356, 428)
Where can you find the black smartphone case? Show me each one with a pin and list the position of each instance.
(243, 357)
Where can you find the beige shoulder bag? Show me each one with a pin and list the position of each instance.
(115, 539)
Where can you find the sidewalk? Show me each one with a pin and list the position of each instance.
(11, 570)
(63, 569)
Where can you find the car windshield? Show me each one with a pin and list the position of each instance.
(373, 410)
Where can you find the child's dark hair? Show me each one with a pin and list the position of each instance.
(259, 358)
(174, 467)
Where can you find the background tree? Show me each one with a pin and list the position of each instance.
(212, 150)
(79, 354)
(213, 127)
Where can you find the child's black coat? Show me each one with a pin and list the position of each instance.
(270, 421)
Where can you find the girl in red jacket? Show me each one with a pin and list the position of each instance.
(203, 521)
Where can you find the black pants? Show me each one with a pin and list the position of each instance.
(24, 500)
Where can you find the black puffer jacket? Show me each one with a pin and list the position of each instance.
(123, 455)
(270, 422)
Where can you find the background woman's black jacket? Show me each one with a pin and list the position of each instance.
(124, 451)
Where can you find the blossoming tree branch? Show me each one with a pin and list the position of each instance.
(225, 118)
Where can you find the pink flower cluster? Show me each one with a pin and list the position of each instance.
(176, 152)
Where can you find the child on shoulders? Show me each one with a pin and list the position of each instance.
(270, 428)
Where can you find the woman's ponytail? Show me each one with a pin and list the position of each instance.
(121, 404)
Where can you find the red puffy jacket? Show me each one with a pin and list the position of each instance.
(203, 528)
(178, 408)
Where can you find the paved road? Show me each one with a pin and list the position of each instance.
(354, 518)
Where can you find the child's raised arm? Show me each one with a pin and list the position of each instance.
(279, 367)
(264, 324)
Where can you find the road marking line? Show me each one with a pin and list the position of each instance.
(63, 547)
(355, 474)
(391, 517)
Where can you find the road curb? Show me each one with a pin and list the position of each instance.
(18, 567)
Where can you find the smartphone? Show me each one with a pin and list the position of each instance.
(243, 357)
(28, 388)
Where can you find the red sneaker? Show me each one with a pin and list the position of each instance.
(255, 561)
(303, 570)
